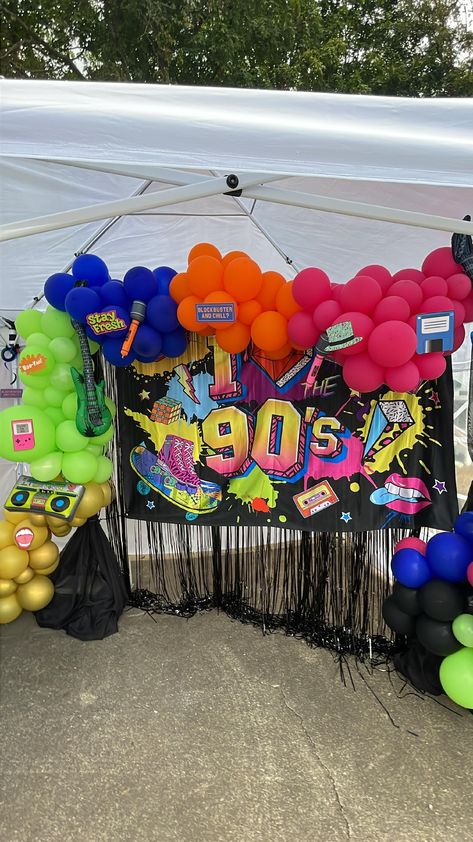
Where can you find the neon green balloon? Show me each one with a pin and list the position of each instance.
(55, 414)
(462, 628)
(78, 363)
(104, 469)
(79, 467)
(55, 323)
(36, 382)
(61, 377)
(456, 677)
(43, 433)
(34, 397)
(47, 468)
(96, 449)
(69, 406)
(54, 396)
(36, 360)
(63, 349)
(93, 346)
(105, 437)
(29, 321)
(39, 339)
(68, 438)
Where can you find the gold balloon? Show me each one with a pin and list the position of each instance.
(6, 533)
(38, 520)
(108, 493)
(48, 570)
(28, 537)
(7, 586)
(62, 531)
(10, 609)
(44, 556)
(78, 521)
(14, 517)
(91, 502)
(36, 593)
(12, 562)
(25, 576)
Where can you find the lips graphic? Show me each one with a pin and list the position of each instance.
(24, 538)
(406, 495)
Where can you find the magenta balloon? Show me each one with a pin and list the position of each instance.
(310, 287)
(469, 573)
(459, 310)
(326, 313)
(391, 307)
(411, 544)
(435, 285)
(361, 294)
(361, 374)
(302, 331)
(409, 275)
(404, 378)
(410, 291)
(458, 338)
(436, 304)
(378, 273)
(430, 366)
(459, 286)
(337, 290)
(440, 262)
(468, 305)
(362, 326)
(392, 344)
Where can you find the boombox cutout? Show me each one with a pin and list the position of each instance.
(54, 499)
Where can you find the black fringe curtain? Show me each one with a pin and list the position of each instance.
(327, 588)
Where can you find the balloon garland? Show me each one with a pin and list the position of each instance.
(432, 602)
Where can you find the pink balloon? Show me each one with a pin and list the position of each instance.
(337, 290)
(458, 338)
(361, 374)
(392, 344)
(468, 305)
(302, 331)
(404, 378)
(430, 366)
(435, 285)
(409, 275)
(459, 310)
(362, 326)
(459, 286)
(310, 287)
(326, 313)
(412, 322)
(411, 544)
(436, 304)
(440, 262)
(469, 573)
(391, 307)
(362, 294)
(378, 273)
(410, 291)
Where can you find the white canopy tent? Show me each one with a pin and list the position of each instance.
(320, 174)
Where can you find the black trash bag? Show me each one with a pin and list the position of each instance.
(420, 667)
(90, 592)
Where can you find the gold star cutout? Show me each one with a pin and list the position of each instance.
(144, 395)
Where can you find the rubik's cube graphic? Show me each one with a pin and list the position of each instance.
(166, 411)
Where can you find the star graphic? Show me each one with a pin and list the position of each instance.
(434, 397)
(150, 504)
(346, 516)
(439, 486)
(144, 395)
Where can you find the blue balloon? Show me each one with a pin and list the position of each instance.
(140, 284)
(80, 302)
(56, 288)
(464, 526)
(164, 276)
(112, 352)
(90, 268)
(448, 556)
(147, 343)
(113, 292)
(161, 313)
(175, 343)
(410, 568)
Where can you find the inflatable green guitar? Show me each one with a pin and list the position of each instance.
(93, 415)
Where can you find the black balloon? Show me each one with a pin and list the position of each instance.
(407, 599)
(441, 600)
(396, 619)
(436, 636)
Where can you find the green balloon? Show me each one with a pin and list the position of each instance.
(56, 323)
(104, 438)
(42, 437)
(63, 349)
(36, 361)
(104, 469)
(69, 406)
(456, 677)
(47, 468)
(79, 467)
(462, 628)
(68, 438)
(61, 377)
(34, 397)
(54, 396)
(29, 321)
(96, 449)
(39, 339)
(77, 363)
(93, 346)
(55, 414)
(37, 381)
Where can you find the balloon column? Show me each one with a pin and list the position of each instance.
(432, 602)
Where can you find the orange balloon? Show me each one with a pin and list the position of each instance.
(232, 255)
(248, 311)
(204, 248)
(179, 287)
(280, 353)
(243, 279)
(205, 275)
(205, 331)
(269, 331)
(272, 283)
(186, 313)
(234, 339)
(286, 304)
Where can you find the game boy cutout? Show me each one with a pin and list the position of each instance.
(435, 332)
(23, 434)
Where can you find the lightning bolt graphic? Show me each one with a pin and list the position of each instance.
(185, 380)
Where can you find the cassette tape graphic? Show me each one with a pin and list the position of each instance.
(54, 499)
(315, 499)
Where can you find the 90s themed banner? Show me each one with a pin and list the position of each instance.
(226, 439)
